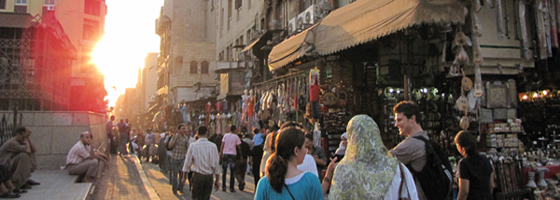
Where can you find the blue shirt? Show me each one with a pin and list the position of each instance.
(258, 139)
(306, 188)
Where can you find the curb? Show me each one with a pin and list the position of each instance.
(147, 185)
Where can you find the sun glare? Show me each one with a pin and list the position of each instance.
(123, 48)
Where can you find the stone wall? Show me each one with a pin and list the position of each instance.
(54, 133)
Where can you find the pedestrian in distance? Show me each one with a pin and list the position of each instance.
(178, 145)
(230, 148)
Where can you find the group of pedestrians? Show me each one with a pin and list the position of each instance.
(368, 170)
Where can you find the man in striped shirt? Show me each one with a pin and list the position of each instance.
(202, 159)
(83, 159)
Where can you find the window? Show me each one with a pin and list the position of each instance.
(179, 64)
(92, 7)
(48, 3)
(238, 4)
(222, 19)
(229, 9)
(204, 67)
(194, 67)
(21, 2)
(2, 4)
(91, 30)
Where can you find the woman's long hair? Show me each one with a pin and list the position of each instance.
(277, 166)
(467, 140)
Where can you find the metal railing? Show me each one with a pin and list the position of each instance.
(6, 128)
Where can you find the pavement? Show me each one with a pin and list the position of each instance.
(125, 178)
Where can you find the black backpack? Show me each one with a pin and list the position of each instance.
(435, 178)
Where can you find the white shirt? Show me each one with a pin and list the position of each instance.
(393, 192)
(202, 157)
(308, 165)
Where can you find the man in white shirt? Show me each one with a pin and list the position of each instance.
(83, 159)
(230, 146)
(309, 165)
(202, 159)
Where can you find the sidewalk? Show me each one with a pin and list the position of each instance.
(56, 184)
(160, 183)
(123, 180)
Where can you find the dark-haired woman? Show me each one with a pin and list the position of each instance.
(283, 180)
(475, 171)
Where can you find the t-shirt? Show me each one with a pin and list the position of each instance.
(305, 186)
(309, 165)
(258, 139)
(230, 141)
(319, 152)
(478, 173)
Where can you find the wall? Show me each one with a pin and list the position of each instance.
(54, 133)
(149, 80)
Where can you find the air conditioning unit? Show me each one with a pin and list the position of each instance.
(310, 15)
(292, 25)
(50, 7)
(299, 23)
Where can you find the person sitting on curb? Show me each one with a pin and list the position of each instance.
(83, 160)
(6, 186)
(18, 154)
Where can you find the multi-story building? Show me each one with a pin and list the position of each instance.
(36, 54)
(185, 70)
(84, 22)
(149, 81)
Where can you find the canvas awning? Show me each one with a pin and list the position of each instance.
(367, 20)
(289, 50)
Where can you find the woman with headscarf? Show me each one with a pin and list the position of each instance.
(283, 180)
(475, 171)
(367, 171)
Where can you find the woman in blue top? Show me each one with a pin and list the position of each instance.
(283, 180)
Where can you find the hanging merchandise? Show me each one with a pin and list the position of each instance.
(314, 87)
(525, 53)
(553, 23)
(500, 19)
(466, 82)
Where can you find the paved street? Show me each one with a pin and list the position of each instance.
(160, 182)
(127, 178)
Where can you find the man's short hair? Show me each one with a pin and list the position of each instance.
(233, 128)
(85, 133)
(20, 130)
(408, 109)
(256, 130)
(309, 136)
(113, 117)
(202, 130)
(180, 126)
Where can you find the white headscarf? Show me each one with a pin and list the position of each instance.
(341, 148)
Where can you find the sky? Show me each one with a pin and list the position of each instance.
(129, 37)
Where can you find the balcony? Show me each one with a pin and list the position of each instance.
(225, 66)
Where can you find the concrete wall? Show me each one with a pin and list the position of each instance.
(54, 133)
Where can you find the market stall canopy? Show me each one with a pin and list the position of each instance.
(289, 50)
(366, 20)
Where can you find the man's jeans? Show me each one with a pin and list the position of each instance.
(228, 160)
(176, 170)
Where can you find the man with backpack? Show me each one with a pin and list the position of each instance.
(423, 157)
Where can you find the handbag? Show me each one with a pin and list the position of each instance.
(403, 183)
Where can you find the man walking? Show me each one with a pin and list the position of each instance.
(410, 151)
(202, 159)
(178, 145)
(84, 160)
(123, 140)
(109, 130)
(228, 153)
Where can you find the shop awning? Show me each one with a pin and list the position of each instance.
(289, 50)
(15, 20)
(367, 20)
(259, 42)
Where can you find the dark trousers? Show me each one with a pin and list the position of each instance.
(228, 160)
(201, 186)
(257, 159)
(240, 171)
